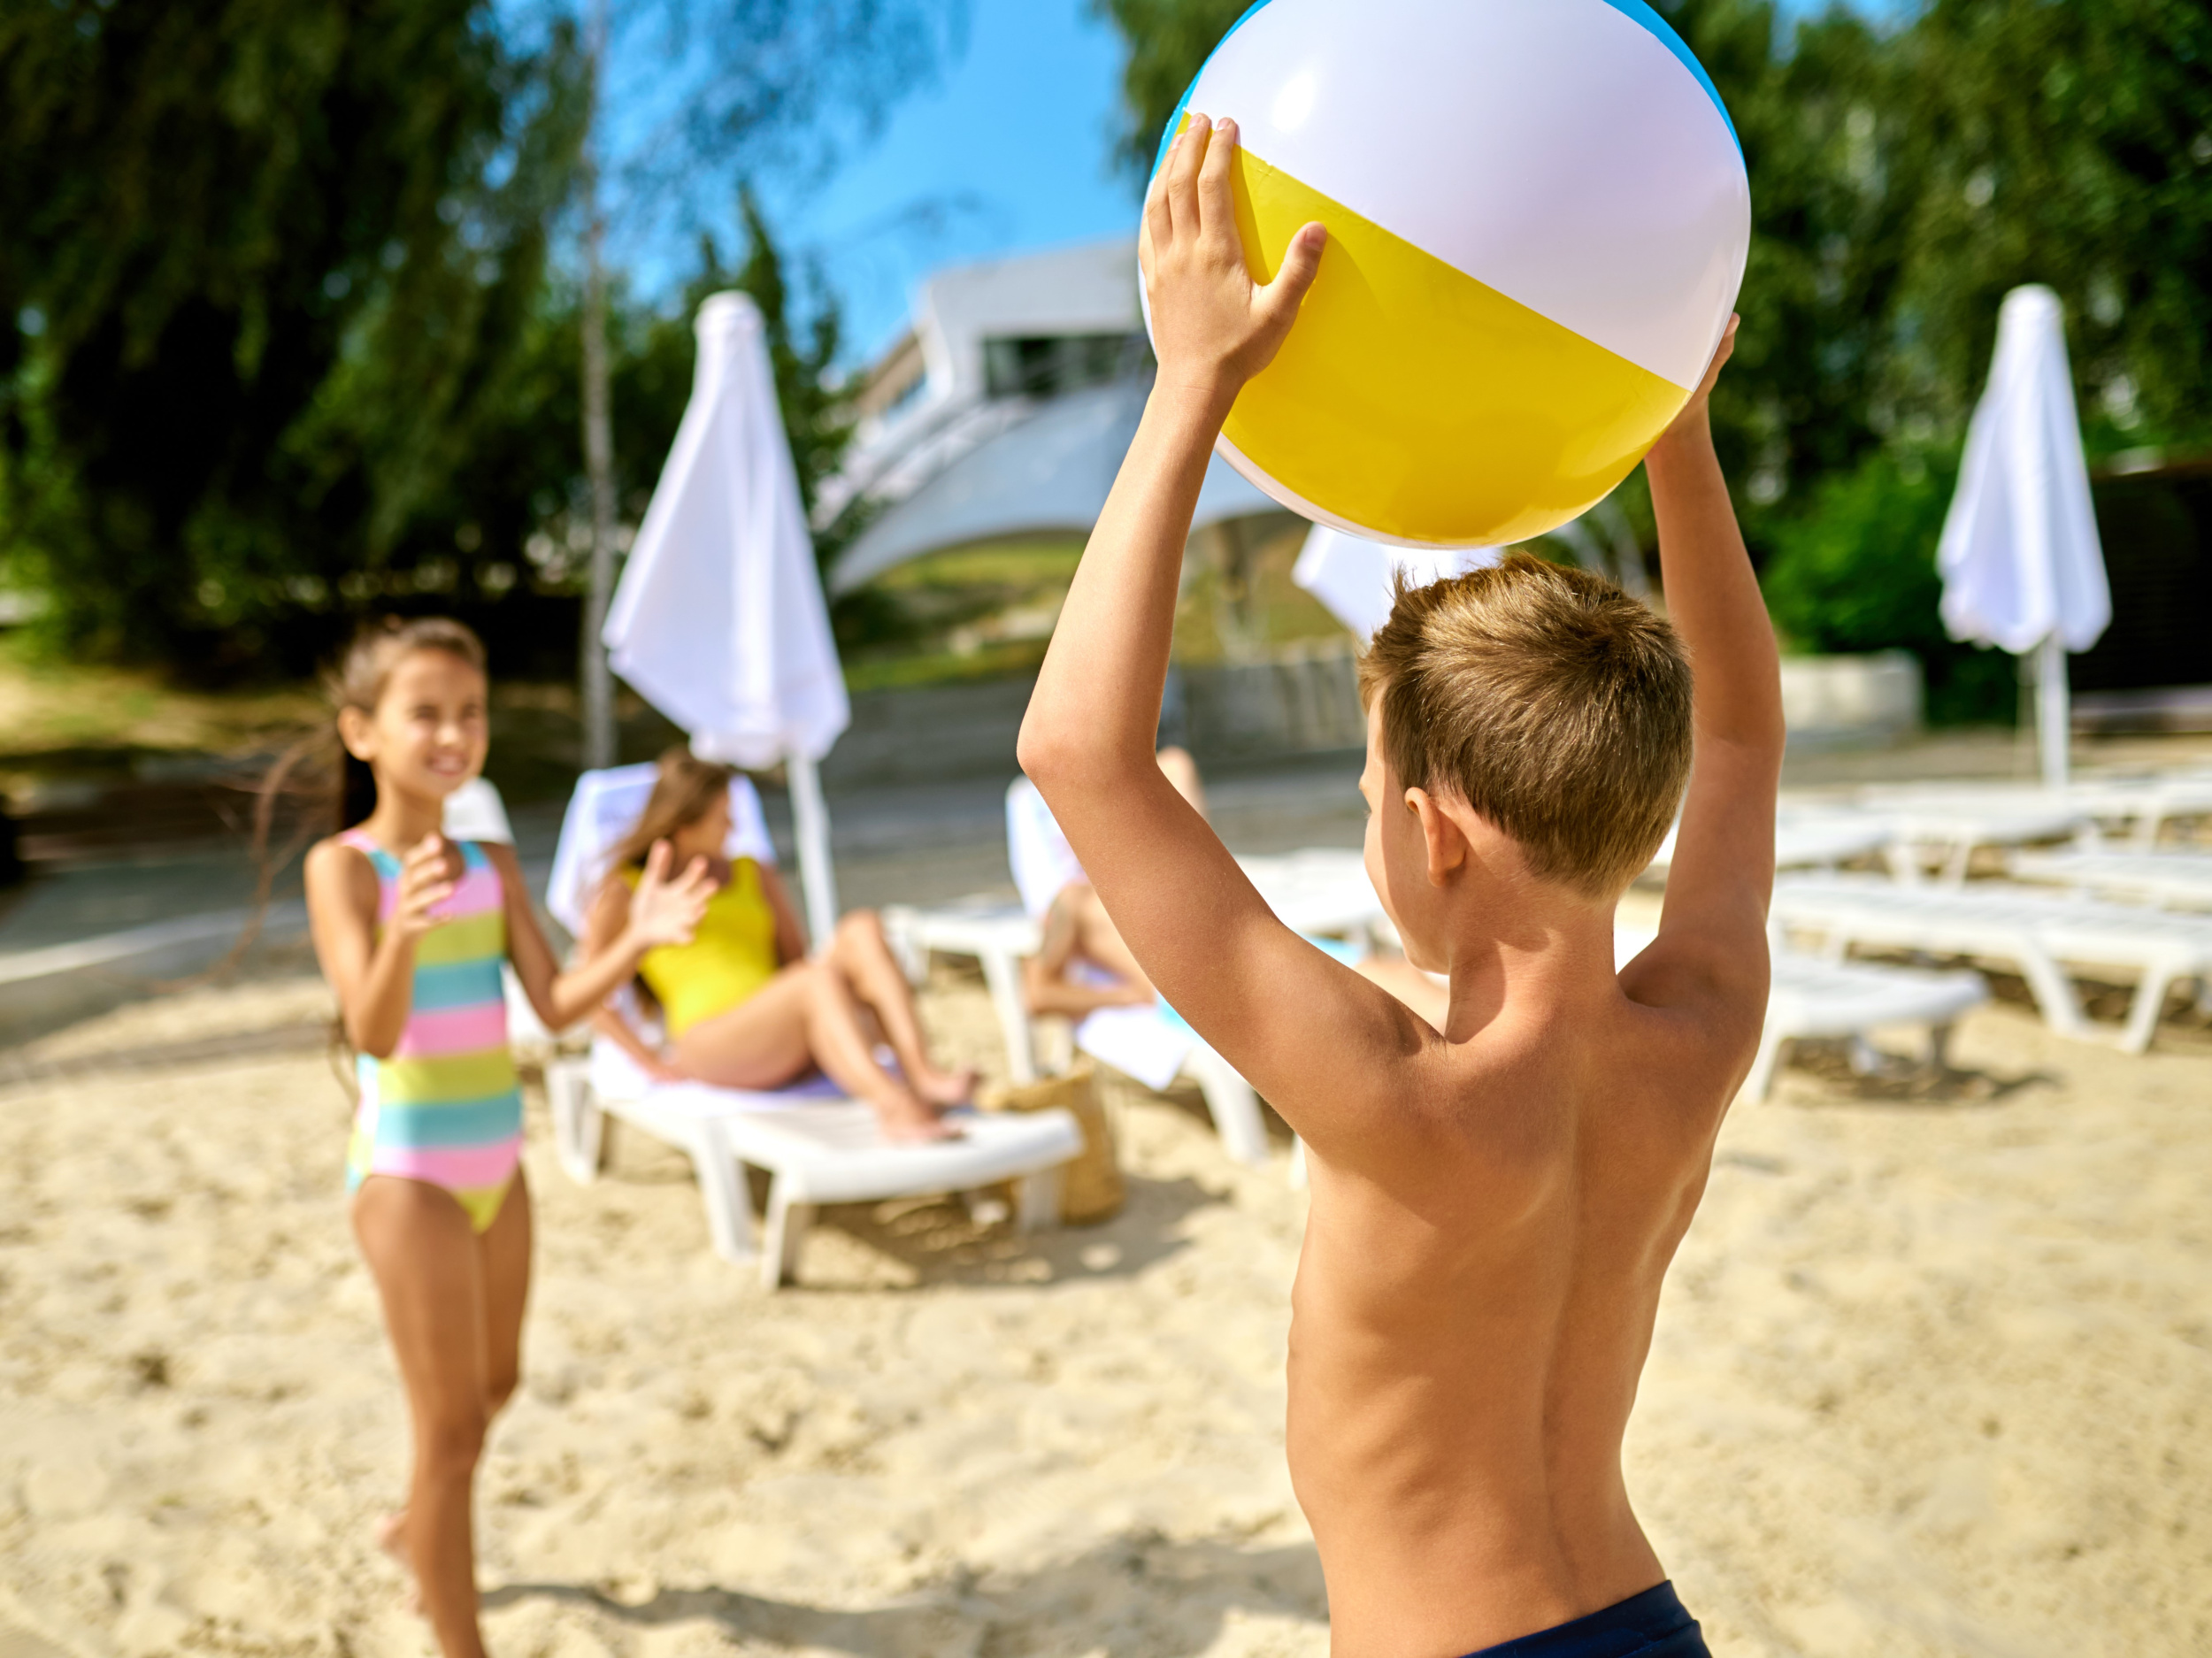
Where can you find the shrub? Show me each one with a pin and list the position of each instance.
(1856, 572)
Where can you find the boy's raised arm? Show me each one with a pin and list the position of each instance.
(1722, 872)
(1274, 1006)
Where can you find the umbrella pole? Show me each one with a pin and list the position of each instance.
(810, 824)
(2054, 710)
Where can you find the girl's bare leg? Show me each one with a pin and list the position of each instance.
(503, 1257)
(859, 951)
(430, 1276)
(805, 1016)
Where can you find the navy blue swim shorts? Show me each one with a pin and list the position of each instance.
(1653, 1624)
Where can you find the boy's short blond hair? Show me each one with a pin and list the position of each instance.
(1550, 701)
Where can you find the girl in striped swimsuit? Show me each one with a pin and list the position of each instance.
(411, 930)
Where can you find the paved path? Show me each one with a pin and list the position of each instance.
(81, 938)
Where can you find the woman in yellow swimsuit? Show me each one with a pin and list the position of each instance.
(744, 1004)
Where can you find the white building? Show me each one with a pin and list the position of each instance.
(1004, 409)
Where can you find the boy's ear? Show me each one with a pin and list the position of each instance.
(353, 730)
(1446, 843)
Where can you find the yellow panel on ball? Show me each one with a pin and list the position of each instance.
(1414, 403)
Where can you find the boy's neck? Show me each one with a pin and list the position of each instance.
(1528, 949)
(402, 820)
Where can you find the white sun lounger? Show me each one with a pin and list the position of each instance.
(1948, 823)
(999, 936)
(1812, 837)
(1315, 891)
(2172, 879)
(818, 1146)
(2035, 931)
(1810, 998)
(2141, 806)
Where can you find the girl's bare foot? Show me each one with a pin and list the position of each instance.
(391, 1537)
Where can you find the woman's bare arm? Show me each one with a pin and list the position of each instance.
(791, 945)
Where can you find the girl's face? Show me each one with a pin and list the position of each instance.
(428, 732)
(703, 836)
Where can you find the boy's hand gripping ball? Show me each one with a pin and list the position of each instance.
(1537, 219)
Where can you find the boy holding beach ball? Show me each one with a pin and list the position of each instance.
(1495, 1200)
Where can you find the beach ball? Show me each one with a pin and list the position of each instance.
(1537, 219)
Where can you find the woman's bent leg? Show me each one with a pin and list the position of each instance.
(423, 1257)
(1098, 939)
(861, 954)
(806, 1015)
(1182, 772)
(1048, 984)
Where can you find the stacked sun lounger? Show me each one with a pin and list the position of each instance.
(2037, 931)
(2170, 879)
(1810, 998)
(1943, 827)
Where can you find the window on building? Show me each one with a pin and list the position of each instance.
(1049, 365)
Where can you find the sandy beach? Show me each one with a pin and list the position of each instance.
(1933, 1377)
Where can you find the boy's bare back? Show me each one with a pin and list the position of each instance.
(1494, 1204)
(1473, 1307)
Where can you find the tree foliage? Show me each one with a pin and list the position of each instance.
(265, 268)
(283, 332)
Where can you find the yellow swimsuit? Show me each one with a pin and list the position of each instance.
(730, 959)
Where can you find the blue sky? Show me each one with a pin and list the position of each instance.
(1009, 150)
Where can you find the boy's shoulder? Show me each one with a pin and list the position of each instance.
(1660, 1056)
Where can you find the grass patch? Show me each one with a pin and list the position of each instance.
(48, 705)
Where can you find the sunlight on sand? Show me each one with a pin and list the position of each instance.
(1930, 1380)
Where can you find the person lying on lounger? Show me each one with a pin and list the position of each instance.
(744, 1004)
(1083, 964)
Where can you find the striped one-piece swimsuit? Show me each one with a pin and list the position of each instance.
(446, 1107)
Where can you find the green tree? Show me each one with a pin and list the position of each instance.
(263, 264)
(1167, 42)
(519, 512)
(1855, 571)
(2067, 144)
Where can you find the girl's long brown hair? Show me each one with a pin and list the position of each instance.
(685, 792)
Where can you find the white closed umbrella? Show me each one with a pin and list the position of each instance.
(2022, 565)
(1354, 578)
(719, 621)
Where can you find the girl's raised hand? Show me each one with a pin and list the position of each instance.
(426, 879)
(664, 911)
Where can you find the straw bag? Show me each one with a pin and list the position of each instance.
(1090, 1186)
